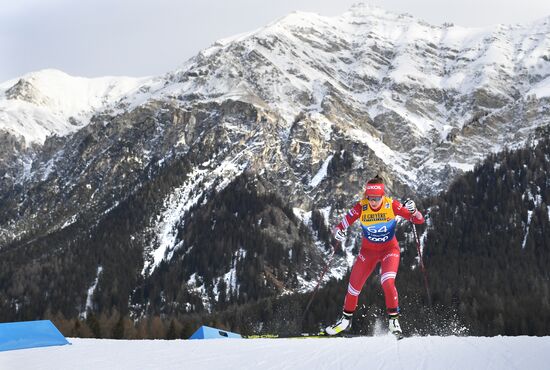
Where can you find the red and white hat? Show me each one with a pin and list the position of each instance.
(374, 190)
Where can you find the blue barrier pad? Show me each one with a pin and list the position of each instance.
(206, 332)
(30, 334)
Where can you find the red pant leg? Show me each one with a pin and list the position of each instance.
(361, 270)
(389, 266)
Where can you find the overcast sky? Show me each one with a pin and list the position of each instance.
(92, 38)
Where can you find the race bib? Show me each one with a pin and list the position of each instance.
(378, 226)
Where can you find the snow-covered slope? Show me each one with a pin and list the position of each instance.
(437, 353)
(370, 43)
(429, 101)
(50, 102)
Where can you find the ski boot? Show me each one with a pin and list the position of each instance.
(343, 324)
(394, 326)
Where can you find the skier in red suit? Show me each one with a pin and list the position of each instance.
(376, 213)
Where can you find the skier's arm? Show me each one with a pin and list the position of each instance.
(350, 217)
(415, 217)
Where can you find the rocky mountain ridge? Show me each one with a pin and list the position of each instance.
(312, 106)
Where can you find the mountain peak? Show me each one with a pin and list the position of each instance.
(365, 9)
(24, 90)
(55, 100)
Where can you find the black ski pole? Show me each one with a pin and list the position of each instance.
(325, 269)
(422, 268)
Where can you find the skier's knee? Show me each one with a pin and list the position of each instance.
(388, 279)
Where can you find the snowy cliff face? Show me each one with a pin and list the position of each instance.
(313, 105)
(429, 101)
(426, 99)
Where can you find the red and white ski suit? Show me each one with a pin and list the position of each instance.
(379, 244)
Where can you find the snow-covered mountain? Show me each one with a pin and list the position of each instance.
(50, 102)
(420, 97)
(309, 107)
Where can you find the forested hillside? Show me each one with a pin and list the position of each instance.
(488, 246)
(486, 250)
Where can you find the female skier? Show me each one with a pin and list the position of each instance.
(377, 213)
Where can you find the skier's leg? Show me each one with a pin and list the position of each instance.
(390, 264)
(389, 267)
(361, 270)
